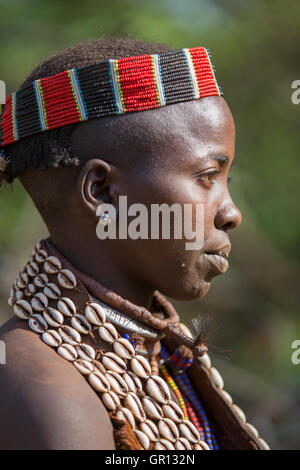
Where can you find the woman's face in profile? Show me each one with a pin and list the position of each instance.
(180, 154)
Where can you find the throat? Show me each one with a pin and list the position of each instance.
(115, 276)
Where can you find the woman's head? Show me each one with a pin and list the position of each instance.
(179, 154)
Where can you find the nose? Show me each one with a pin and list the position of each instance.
(228, 216)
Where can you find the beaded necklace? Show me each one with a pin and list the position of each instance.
(189, 400)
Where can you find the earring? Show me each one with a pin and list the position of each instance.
(104, 219)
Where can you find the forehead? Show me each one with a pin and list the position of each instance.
(196, 128)
(184, 130)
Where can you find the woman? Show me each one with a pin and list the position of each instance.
(157, 131)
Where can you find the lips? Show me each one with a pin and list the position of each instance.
(218, 261)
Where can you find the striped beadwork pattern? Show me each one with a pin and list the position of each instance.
(188, 399)
(108, 88)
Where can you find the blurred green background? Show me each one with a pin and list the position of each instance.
(255, 47)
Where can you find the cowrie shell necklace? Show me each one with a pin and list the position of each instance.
(121, 377)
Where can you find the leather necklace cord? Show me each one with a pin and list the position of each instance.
(170, 324)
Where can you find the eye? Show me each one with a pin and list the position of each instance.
(209, 177)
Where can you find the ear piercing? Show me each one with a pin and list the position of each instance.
(104, 219)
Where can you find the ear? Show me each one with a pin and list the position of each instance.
(93, 184)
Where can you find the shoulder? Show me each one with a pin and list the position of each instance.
(45, 403)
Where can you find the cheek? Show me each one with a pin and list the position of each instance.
(168, 188)
(187, 191)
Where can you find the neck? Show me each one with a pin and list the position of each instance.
(91, 263)
(101, 266)
(163, 317)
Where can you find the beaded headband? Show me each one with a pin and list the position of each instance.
(108, 88)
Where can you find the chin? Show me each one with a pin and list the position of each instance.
(188, 292)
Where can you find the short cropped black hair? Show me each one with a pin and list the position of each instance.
(52, 149)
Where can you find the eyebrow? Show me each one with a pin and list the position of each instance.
(220, 158)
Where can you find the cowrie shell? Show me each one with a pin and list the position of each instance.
(252, 430)
(173, 411)
(38, 246)
(150, 429)
(137, 380)
(41, 280)
(125, 415)
(227, 396)
(52, 291)
(25, 278)
(11, 301)
(66, 306)
(33, 269)
(95, 314)
(37, 323)
(182, 444)
(21, 284)
(142, 438)
(263, 443)
(99, 382)
(52, 338)
(168, 429)
(107, 332)
(205, 360)
(123, 348)
(113, 362)
(80, 323)
(39, 302)
(201, 445)
(69, 335)
(217, 378)
(41, 256)
(22, 309)
(133, 403)
(30, 290)
(140, 366)
(117, 383)
(53, 317)
(86, 352)
(52, 265)
(110, 400)
(196, 446)
(12, 291)
(67, 351)
(153, 410)
(83, 366)
(163, 444)
(99, 367)
(185, 330)
(67, 279)
(189, 431)
(158, 389)
(240, 413)
(131, 384)
(19, 295)
(204, 445)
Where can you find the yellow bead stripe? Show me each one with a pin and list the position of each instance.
(174, 387)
